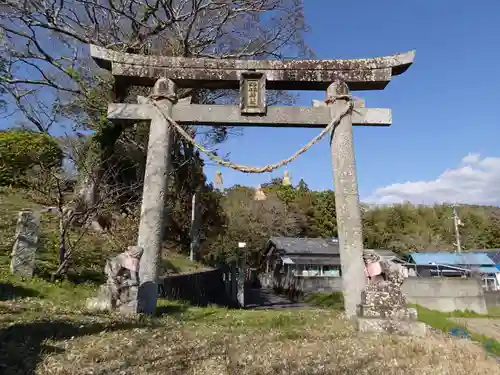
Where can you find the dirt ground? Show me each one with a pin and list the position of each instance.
(482, 326)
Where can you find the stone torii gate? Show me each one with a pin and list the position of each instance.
(337, 77)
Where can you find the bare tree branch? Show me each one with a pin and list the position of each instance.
(46, 39)
(46, 72)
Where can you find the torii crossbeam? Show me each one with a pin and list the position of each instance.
(358, 74)
(337, 77)
(291, 117)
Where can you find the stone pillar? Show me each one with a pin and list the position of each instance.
(347, 203)
(151, 226)
(26, 242)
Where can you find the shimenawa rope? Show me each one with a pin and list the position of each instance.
(270, 167)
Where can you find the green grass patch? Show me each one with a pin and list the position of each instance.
(42, 296)
(493, 313)
(333, 300)
(35, 301)
(45, 329)
(233, 318)
(180, 263)
(91, 251)
(62, 293)
(436, 319)
(442, 321)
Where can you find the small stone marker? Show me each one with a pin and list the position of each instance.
(26, 241)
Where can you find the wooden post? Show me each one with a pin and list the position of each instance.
(152, 222)
(347, 202)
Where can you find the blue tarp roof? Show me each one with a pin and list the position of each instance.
(452, 258)
(494, 254)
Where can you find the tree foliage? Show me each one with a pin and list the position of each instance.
(21, 151)
(296, 211)
(253, 222)
(233, 215)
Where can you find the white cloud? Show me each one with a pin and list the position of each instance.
(476, 181)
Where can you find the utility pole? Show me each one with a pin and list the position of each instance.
(194, 233)
(457, 223)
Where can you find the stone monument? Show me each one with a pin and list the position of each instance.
(336, 116)
(122, 285)
(383, 307)
(25, 245)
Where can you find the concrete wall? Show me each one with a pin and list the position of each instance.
(311, 284)
(200, 288)
(492, 299)
(446, 294)
(301, 284)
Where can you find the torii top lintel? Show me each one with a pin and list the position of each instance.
(359, 74)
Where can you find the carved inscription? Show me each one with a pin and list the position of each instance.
(252, 93)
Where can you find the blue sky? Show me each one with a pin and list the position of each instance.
(444, 106)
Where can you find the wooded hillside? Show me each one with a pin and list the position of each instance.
(227, 216)
(298, 211)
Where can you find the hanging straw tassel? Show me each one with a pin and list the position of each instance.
(286, 179)
(259, 194)
(218, 179)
